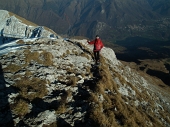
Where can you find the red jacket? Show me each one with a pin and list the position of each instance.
(98, 45)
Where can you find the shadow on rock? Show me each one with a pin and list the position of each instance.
(62, 123)
(5, 112)
(40, 106)
(96, 72)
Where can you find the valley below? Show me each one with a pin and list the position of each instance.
(147, 56)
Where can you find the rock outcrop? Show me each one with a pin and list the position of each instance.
(13, 28)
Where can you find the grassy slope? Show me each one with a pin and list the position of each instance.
(115, 111)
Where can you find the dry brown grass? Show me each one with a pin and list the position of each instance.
(31, 56)
(28, 73)
(88, 69)
(85, 55)
(20, 107)
(69, 70)
(61, 109)
(12, 68)
(31, 88)
(63, 102)
(102, 112)
(61, 78)
(51, 125)
(63, 56)
(75, 52)
(113, 111)
(99, 118)
(67, 52)
(20, 42)
(72, 80)
(45, 58)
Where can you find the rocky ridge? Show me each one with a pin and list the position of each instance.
(12, 27)
(55, 82)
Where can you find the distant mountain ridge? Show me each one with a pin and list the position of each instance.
(113, 19)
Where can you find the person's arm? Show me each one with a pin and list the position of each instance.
(91, 42)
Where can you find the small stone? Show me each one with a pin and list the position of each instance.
(78, 114)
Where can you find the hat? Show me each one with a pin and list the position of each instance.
(97, 35)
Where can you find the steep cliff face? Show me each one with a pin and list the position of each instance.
(12, 27)
(53, 82)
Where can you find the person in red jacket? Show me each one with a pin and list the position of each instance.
(98, 45)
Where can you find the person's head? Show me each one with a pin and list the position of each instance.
(97, 36)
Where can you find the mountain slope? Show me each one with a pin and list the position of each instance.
(53, 82)
(112, 19)
(57, 83)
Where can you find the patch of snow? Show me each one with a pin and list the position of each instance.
(29, 39)
(13, 43)
(9, 47)
(13, 46)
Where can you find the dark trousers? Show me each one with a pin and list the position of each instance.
(96, 56)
